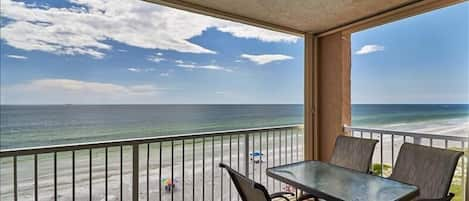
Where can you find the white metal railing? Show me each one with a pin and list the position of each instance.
(391, 140)
(109, 170)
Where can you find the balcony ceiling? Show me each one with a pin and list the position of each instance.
(296, 15)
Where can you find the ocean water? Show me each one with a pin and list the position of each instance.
(26, 126)
(445, 119)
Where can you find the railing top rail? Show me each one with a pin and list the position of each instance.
(406, 133)
(133, 141)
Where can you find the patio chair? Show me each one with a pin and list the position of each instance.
(352, 153)
(249, 190)
(430, 169)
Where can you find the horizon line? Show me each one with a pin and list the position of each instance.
(71, 104)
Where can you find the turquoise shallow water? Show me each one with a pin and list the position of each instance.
(385, 115)
(26, 126)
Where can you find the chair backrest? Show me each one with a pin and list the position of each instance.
(353, 153)
(430, 169)
(248, 189)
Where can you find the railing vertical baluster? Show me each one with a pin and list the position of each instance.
(286, 146)
(213, 168)
(280, 153)
(183, 169)
(135, 170)
(291, 145)
(105, 174)
(381, 158)
(148, 171)
(267, 147)
(392, 150)
(466, 190)
(91, 174)
(297, 144)
(172, 170)
(193, 168)
(36, 197)
(260, 157)
(463, 169)
(121, 161)
(159, 170)
(431, 142)
(221, 171)
(238, 162)
(15, 179)
(280, 147)
(203, 168)
(273, 156)
(230, 164)
(55, 175)
(246, 155)
(252, 157)
(446, 144)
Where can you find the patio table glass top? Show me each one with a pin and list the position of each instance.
(336, 183)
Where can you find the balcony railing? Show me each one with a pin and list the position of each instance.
(110, 170)
(389, 144)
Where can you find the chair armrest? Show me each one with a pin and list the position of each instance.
(281, 195)
(449, 197)
(306, 197)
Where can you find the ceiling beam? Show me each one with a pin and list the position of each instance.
(411, 9)
(196, 8)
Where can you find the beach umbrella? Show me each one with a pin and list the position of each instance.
(256, 153)
(168, 184)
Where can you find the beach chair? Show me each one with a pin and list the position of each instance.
(249, 190)
(430, 169)
(352, 153)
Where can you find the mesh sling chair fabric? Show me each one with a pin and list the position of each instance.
(430, 169)
(249, 190)
(352, 153)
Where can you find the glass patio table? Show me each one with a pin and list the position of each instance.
(332, 182)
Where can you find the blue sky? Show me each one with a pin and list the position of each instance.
(422, 59)
(100, 52)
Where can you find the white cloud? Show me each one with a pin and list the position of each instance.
(367, 49)
(164, 74)
(156, 58)
(179, 61)
(265, 58)
(85, 28)
(139, 70)
(207, 67)
(16, 56)
(67, 91)
(134, 70)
